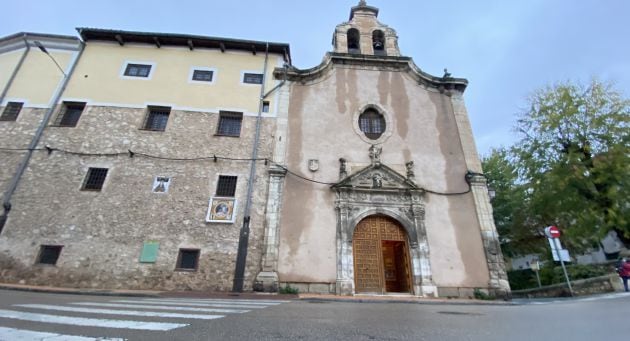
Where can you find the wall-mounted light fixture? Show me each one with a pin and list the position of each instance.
(43, 49)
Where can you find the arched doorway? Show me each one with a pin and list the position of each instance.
(381, 256)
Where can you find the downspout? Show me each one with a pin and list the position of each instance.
(15, 72)
(243, 241)
(6, 204)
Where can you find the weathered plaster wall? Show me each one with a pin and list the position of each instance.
(423, 129)
(103, 232)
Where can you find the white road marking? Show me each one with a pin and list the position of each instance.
(220, 300)
(217, 305)
(90, 322)
(29, 335)
(119, 312)
(161, 307)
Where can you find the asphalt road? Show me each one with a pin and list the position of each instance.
(40, 316)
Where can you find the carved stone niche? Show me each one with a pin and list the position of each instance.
(379, 190)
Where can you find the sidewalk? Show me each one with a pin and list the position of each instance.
(251, 295)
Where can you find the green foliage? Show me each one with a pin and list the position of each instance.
(289, 290)
(526, 278)
(480, 295)
(570, 168)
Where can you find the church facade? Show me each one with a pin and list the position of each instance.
(359, 175)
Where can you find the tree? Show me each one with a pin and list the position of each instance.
(572, 163)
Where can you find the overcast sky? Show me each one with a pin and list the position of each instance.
(505, 48)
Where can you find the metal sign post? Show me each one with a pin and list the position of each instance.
(554, 233)
(535, 266)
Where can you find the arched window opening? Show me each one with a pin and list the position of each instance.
(372, 124)
(353, 41)
(378, 43)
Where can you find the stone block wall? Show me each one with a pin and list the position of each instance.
(102, 232)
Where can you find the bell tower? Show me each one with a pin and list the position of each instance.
(364, 34)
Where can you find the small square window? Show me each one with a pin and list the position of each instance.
(203, 75)
(95, 179)
(252, 78)
(265, 107)
(11, 111)
(157, 117)
(226, 186)
(49, 254)
(69, 114)
(188, 259)
(138, 70)
(230, 123)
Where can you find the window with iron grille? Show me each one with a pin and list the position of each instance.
(188, 259)
(252, 78)
(157, 117)
(69, 114)
(372, 124)
(138, 70)
(226, 187)
(95, 179)
(11, 111)
(230, 123)
(49, 254)
(203, 75)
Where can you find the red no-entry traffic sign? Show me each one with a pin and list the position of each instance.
(552, 232)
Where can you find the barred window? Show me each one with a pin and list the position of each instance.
(230, 123)
(226, 187)
(203, 75)
(70, 114)
(95, 179)
(49, 254)
(188, 259)
(252, 78)
(11, 111)
(138, 70)
(157, 117)
(372, 124)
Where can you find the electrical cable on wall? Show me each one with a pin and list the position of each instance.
(215, 158)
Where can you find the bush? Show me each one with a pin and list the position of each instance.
(526, 279)
(289, 290)
(480, 295)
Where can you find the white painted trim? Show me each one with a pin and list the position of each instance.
(24, 102)
(243, 72)
(127, 62)
(202, 68)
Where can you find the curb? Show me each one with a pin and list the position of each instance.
(389, 301)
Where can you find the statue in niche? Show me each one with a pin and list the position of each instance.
(343, 172)
(375, 154)
(410, 173)
(377, 180)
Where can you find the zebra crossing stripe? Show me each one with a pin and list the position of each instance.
(161, 307)
(174, 303)
(119, 312)
(222, 301)
(89, 322)
(29, 335)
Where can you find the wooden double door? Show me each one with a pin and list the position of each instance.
(381, 256)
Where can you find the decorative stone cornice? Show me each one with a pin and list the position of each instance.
(369, 62)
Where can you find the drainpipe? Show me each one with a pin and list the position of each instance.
(243, 240)
(17, 68)
(6, 204)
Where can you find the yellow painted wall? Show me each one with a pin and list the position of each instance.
(39, 77)
(98, 79)
(8, 62)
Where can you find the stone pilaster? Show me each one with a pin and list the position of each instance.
(498, 283)
(267, 279)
